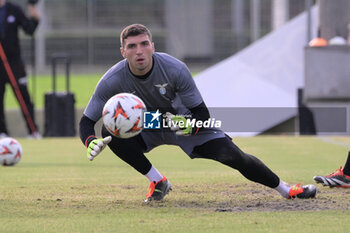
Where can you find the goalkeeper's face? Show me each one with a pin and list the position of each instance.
(138, 50)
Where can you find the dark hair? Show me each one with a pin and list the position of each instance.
(134, 30)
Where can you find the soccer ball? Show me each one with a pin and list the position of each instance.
(10, 151)
(122, 115)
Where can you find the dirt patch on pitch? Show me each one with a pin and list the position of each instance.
(264, 199)
(251, 197)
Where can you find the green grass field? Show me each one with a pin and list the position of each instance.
(81, 85)
(54, 188)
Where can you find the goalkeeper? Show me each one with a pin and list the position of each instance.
(165, 84)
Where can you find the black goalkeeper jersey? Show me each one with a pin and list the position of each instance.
(14, 20)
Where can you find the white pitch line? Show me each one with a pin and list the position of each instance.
(334, 142)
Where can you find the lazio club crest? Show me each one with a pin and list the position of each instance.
(161, 87)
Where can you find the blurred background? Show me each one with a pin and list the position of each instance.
(199, 32)
(275, 66)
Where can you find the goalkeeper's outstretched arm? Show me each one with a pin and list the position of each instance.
(87, 130)
(87, 135)
(199, 113)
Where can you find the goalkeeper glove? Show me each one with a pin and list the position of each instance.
(96, 146)
(176, 121)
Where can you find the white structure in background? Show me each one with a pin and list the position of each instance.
(256, 89)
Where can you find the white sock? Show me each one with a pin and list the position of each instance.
(283, 188)
(154, 175)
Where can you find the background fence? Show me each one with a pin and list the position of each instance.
(200, 32)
